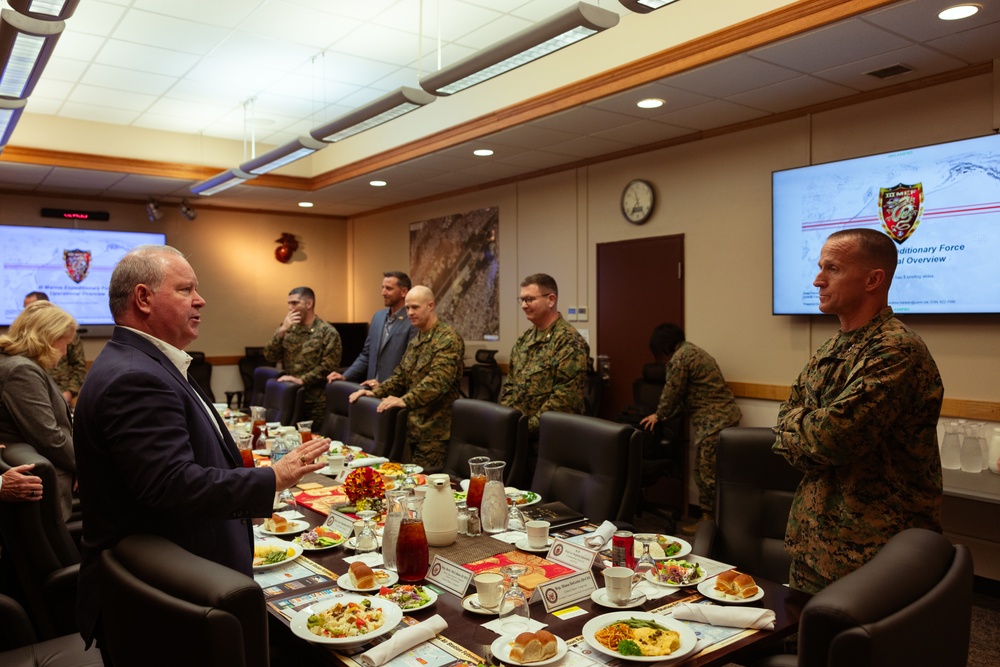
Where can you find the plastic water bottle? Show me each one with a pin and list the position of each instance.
(951, 448)
(279, 448)
(972, 453)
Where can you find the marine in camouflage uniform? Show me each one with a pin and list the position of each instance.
(428, 381)
(548, 371)
(694, 383)
(309, 353)
(861, 423)
(68, 374)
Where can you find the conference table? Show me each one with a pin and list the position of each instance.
(465, 628)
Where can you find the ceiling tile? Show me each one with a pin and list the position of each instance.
(118, 99)
(828, 47)
(717, 113)
(978, 45)
(304, 25)
(221, 13)
(166, 62)
(731, 76)
(101, 114)
(169, 33)
(924, 62)
(530, 136)
(642, 133)
(792, 94)
(127, 80)
(384, 45)
(918, 21)
(584, 147)
(584, 120)
(96, 18)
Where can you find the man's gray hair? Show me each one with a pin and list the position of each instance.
(143, 265)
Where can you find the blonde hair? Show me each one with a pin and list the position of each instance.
(35, 330)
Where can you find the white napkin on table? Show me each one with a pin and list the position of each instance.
(731, 617)
(600, 537)
(367, 461)
(403, 640)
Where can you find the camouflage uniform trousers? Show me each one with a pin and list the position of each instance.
(704, 470)
(430, 454)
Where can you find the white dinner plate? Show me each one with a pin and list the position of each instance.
(463, 494)
(306, 547)
(295, 526)
(523, 545)
(431, 599)
(658, 555)
(296, 548)
(598, 623)
(344, 581)
(600, 596)
(707, 588)
(392, 615)
(501, 650)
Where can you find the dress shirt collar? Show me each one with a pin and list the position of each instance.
(178, 358)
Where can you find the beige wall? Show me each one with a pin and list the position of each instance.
(717, 193)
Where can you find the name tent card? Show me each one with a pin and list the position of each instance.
(571, 555)
(341, 523)
(567, 590)
(449, 575)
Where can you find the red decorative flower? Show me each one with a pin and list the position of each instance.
(363, 483)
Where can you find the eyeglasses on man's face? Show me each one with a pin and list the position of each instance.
(528, 300)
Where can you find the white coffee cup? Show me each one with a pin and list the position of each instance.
(335, 463)
(489, 588)
(538, 534)
(618, 584)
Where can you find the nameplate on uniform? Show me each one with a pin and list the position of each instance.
(341, 523)
(450, 576)
(567, 590)
(571, 555)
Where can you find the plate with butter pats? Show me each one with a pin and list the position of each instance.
(731, 587)
(362, 579)
(279, 526)
(529, 648)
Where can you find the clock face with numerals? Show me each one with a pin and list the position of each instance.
(637, 201)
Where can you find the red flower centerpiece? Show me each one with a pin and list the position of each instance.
(364, 488)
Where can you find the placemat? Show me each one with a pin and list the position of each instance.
(470, 549)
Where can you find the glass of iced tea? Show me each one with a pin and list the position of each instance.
(477, 481)
(244, 443)
(305, 430)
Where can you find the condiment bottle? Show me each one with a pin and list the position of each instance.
(474, 528)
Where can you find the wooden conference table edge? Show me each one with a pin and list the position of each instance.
(462, 625)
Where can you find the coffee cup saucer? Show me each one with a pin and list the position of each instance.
(470, 602)
(523, 545)
(600, 596)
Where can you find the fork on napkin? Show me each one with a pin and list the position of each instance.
(403, 640)
(731, 617)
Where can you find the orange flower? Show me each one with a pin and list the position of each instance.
(363, 483)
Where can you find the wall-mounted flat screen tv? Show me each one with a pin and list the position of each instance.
(72, 266)
(940, 203)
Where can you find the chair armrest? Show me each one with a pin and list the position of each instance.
(782, 660)
(704, 538)
(15, 626)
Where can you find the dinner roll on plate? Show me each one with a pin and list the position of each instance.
(533, 646)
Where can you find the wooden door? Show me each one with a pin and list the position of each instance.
(640, 284)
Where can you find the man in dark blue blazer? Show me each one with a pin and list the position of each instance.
(388, 335)
(153, 456)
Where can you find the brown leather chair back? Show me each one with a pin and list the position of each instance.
(337, 421)
(483, 428)
(163, 605)
(378, 433)
(19, 645)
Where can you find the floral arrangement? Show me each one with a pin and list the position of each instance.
(364, 484)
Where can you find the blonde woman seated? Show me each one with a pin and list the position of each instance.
(32, 409)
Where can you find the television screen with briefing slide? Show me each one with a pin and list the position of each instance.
(72, 266)
(940, 203)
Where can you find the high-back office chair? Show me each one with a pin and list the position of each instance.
(39, 547)
(337, 420)
(753, 496)
(261, 375)
(482, 428)
(485, 377)
(19, 645)
(591, 465)
(378, 433)
(253, 360)
(909, 605)
(282, 402)
(162, 605)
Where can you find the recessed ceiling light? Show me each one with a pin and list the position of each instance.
(482, 152)
(959, 12)
(650, 103)
(377, 184)
(306, 204)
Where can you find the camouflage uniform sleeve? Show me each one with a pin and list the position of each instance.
(327, 356)
(71, 369)
(845, 429)
(274, 350)
(568, 385)
(448, 351)
(678, 375)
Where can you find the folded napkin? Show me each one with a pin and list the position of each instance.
(367, 461)
(403, 640)
(600, 537)
(731, 617)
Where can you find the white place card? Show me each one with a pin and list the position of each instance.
(341, 523)
(449, 575)
(571, 555)
(567, 590)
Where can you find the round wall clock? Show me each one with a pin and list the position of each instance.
(637, 201)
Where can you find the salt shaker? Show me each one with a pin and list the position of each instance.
(463, 519)
(473, 526)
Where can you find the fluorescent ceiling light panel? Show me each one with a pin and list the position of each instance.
(47, 10)
(381, 110)
(26, 44)
(560, 30)
(10, 112)
(220, 182)
(282, 155)
(645, 6)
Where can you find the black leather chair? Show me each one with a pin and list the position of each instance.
(909, 605)
(485, 377)
(261, 375)
(254, 359)
(282, 402)
(337, 420)
(201, 370)
(754, 488)
(482, 428)
(591, 465)
(19, 645)
(378, 433)
(40, 548)
(162, 605)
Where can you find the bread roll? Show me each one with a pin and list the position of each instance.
(361, 575)
(276, 524)
(745, 586)
(533, 647)
(724, 582)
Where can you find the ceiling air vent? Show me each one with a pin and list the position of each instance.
(890, 71)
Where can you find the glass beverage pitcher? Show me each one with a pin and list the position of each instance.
(411, 545)
(494, 507)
